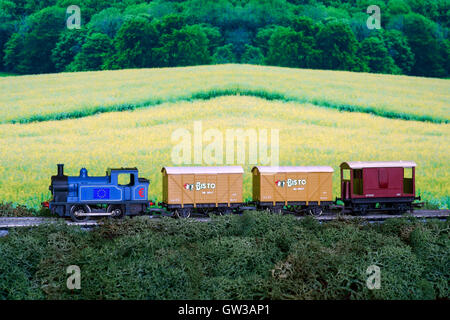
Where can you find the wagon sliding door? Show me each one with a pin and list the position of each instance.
(313, 187)
(326, 186)
(234, 188)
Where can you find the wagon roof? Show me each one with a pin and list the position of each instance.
(378, 164)
(202, 170)
(275, 169)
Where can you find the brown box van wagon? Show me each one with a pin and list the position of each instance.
(297, 186)
(202, 187)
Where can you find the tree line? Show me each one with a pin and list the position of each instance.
(328, 34)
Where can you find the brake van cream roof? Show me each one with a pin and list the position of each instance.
(202, 170)
(378, 164)
(275, 169)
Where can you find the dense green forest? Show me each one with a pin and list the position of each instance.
(329, 34)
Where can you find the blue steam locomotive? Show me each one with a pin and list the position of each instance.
(121, 192)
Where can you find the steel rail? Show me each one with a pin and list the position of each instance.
(23, 222)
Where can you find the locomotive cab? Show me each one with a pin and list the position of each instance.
(120, 192)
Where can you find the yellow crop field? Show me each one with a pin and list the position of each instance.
(308, 135)
(70, 95)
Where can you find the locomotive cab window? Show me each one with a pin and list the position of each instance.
(408, 180)
(357, 181)
(125, 179)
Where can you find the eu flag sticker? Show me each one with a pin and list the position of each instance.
(101, 193)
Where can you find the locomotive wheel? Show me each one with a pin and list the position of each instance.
(182, 213)
(117, 211)
(76, 210)
(315, 211)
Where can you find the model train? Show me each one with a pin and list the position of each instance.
(365, 186)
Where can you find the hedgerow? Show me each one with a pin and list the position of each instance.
(253, 256)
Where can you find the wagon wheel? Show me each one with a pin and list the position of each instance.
(276, 210)
(315, 211)
(297, 209)
(182, 213)
(77, 210)
(116, 210)
(224, 211)
(363, 210)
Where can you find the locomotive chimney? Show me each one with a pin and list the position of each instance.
(60, 170)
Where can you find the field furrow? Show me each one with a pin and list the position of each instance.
(74, 95)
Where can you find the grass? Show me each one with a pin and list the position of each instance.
(74, 95)
(309, 135)
(254, 256)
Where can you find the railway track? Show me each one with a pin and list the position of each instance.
(23, 222)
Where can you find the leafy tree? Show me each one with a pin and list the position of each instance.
(162, 8)
(31, 6)
(135, 45)
(376, 55)
(214, 36)
(224, 54)
(29, 50)
(107, 21)
(288, 48)
(14, 54)
(69, 45)
(254, 14)
(427, 8)
(399, 50)
(317, 12)
(185, 47)
(305, 25)
(330, 34)
(7, 10)
(398, 7)
(420, 33)
(142, 9)
(339, 47)
(337, 13)
(6, 25)
(445, 52)
(239, 37)
(170, 23)
(252, 55)
(93, 54)
(263, 36)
